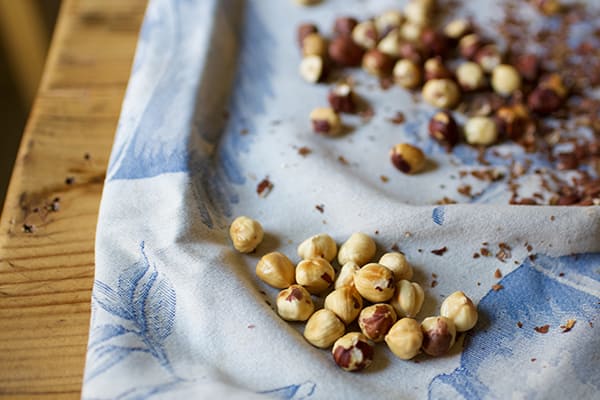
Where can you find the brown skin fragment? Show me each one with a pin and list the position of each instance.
(327, 278)
(498, 274)
(400, 163)
(264, 187)
(296, 294)
(497, 287)
(436, 342)
(440, 252)
(568, 326)
(542, 329)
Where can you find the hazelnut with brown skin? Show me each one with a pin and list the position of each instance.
(343, 26)
(377, 63)
(365, 34)
(344, 52)
(316, 275)
(441, 93)
(353, 352)
(304, 30)
(488, 57)
(341, 98)
(548, 96)
(512, 121)
(410, 51)
(375, 321)
(407, 74)
(325, 121)
(407, 158)
(374, 282)
(323, 328)
(345, 302)
(548, 7)
(434, 42)
(444, 129)
(469, 45)
(276, 270)
(439, 335)
(435, 69)
(529, 66)
(295, 304)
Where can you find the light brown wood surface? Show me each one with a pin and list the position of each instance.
(46, 276)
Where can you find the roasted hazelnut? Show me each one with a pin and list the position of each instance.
(343, 26)
(374, 282)
(408, 298)
(323, 328)
(548, 7)
(391, 44)
(488, 57)
(375, 321)
(407, 158)
(443, 128)
(276, 270)
(353, 352)
(441, 93)
(411, 32)
(512, 121)
(304, 30)
(388, 21)
(344, 52)
(470, 76)
(435, 69)
(346, 275)
(410, 51)
(377, 63)
(469, 45)
(505, 79)
(397, 263)
(312, 69)
(439, 334)
(549, 95)
(321, 245)
(481, 131)
(528, 66)
(405, 338)
(407, 74)
(434, 42)
(246, 234)
(461, 310)
(314, 45)
(307, 2)
(418, 12)
(458, 28)
(359, 248)
(341, 98)
(295, 304)
(316, 275)
(326, 121)
(365, 34)
(345, 302)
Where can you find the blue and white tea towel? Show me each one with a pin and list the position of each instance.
(214, 106)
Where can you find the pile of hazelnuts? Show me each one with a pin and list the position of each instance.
(405, 48)
(379, 296)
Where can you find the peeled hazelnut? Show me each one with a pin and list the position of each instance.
(505, 79)
(377, 63)
(461, 310)
(323, 328)
(295, 304)
(321, 245)
(316, 275)
(549, 95)
(359, 248)
(512, 121)
(411, 32)
(469, 45)
(365, 34)
(435, 43)
(470, 76)
(405, 338)
(548, 7)
(435, 69)
(458, 28)
(375, 321)
(314, 45)
(391, 44)
(407, 158)
(246, 234)
(407, 74)
(344, 52)
(325, 121)
(397, 263)
(388, 21)
(488, 57)
(441, 93)
(276, 270)
(439, 334)
(408, 298)
(346, 275)
(418, 12)
(312, 69)
(345, 302)
(481, 131)
(304, 30)
(343, 26)
(374, 282)
(443, 128)
(528, 66)
(353, 352)
(341, 98)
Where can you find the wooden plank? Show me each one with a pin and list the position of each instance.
(46, 275)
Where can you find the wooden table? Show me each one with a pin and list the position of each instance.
(48, 224)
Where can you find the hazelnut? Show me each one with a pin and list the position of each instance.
(359, 248)
(323, 328)
(388, 21)
(408, 298)
(377, 63)
(314, 45)
(344, 52)
(461, 310)
(407, 74)
(365, 34)
(326, 121)
(391, 44)
(345, 302)
(458, 28)
(481, 131)
(353, 352)
(316, 275)
(294, 304)
(307, 2)
(374, 282)
(470, 76)
(443, 128)
(405, 338)
(439, 334)
(346, 275)
(246, 234)
(304, 30)
(512, 121)
(341, 98)
(321, 245)
(343, 26)
(418, 12)
(505, 79)
(411, 32)
(548, 7)
(528, 66)
(434, 42)
(469, 45)
(411, 51)
(375, 321)
(407, 158)
(276, 270)
(397, 263)
(441, 93)
(435, 69)
(488, 57)
(312, 69)
(549, 95)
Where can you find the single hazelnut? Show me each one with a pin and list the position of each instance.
(375, 321)
(407, 74)
(344, 52)
(323, 328)
(388, 21)
(341, 98)
(346, 275)
(365, 34)
(353, 352)
(295, 304)
(326, 121)
(418, 12)
(488, 57)
(321, 245)
(434, 42)
(548, 7)
(343, 26)
(461, 310)
(512, 121)
(435, 69)
(410, 51)
(411, 32)
(458, 28)
(312, 69)
(439, 334)
(549, 95)
(391, 44)
(505, 79)
(316, 275)
(481, 131)
(444, 129)
(374, 282)
(469, 45)
(441, 93)
(246, 234)
(397, 263)
(405, 338)
(408, 298)
(314, 45)
(470, 76)
(304, 30)
(359, 248)
(528, 66)
(276, 270)
(345, 302)
(407, 158)
(307, 2)
(377, 63)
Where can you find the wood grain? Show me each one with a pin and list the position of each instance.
(46, 275)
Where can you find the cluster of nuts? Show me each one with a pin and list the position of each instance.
(378, 299)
